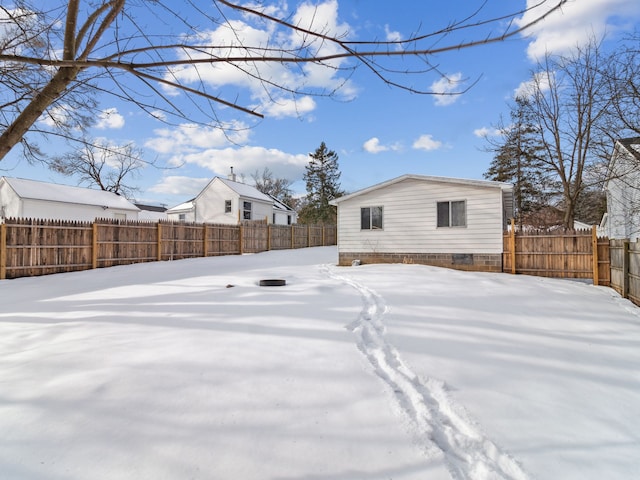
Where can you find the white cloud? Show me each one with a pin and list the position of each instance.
(291, 107)
(541, 81)
(110, 119)
(313, 78)
(54, 116)
(188, 137)
(373, 146)
(576, 23)
(427, 143)
(393, 36)
(485, 132)
(177, 185)
(246, 161)
(159, 115)
(445, 88)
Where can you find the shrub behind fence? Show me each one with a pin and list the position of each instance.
(31, 247)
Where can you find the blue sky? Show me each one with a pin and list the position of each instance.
(377, 131)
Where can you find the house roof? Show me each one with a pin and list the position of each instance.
(624, 147)
(278, 205)
(426, 178)
(151, 208)
(53, 192)
(183, 207)
(246, 191)
(632, 145)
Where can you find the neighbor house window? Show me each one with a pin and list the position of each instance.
(371, 218)
(246, 210)
(182, 217)
(288, 219)
(227, 206)
(452, 214)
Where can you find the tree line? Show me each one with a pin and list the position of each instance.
(556, 145)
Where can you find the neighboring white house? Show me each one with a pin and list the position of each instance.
(283, 214)
(439, 221)
(228, 201)
(622, 219)
(21, 198)
(151, 213)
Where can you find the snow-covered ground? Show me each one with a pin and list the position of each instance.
(191, 370)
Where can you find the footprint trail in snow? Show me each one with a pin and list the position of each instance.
(441, 427)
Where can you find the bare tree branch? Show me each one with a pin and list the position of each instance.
(107, 36)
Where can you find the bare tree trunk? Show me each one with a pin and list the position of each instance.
(23, 122)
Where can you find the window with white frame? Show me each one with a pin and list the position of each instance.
(227, 206)
(452, 214)
(371, 218)
(246, 210)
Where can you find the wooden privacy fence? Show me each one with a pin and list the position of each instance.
(625, 269)
(40, 247)
(567, 254)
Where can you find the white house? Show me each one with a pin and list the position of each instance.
(283, 214)
(21, 198)
(151, 213)
(439, 221)
(228, 201)
(622, 188)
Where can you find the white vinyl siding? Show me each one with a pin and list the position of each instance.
(410, 219)
(623, 197)
(212, 205)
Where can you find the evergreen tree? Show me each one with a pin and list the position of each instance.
(322, 177)
(517, 161)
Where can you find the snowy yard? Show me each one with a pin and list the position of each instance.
(190, 370)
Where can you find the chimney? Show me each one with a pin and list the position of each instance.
(232, 176)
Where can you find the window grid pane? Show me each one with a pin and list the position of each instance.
(376, 218)
(458, 214)
(365, 218)
(443, 214)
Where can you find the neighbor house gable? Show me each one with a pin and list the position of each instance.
(225, 201)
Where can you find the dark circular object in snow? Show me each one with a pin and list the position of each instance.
(272, 282)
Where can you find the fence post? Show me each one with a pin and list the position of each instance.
(3, 251)
(594, 248)
(204, 240)
(94, 245)
(241, 239)
(268, 237)
(625, 269)
(512, 246)
(159, 242)
(323, 238)
(308, 235)
(293, 231)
